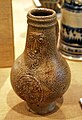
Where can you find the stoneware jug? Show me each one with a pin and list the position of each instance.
(40, 75)
(51, 4)
(71, 29)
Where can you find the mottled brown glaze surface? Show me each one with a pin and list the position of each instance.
(40, 75)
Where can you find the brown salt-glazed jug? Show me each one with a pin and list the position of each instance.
(40, 75)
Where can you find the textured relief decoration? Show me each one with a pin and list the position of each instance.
(28, 87)
(36, 47)
(41, 75)
(35, 43)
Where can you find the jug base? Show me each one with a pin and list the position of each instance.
(43, 110)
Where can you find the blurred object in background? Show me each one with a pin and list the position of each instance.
(52, 4)
(6, 34)
(71, 30)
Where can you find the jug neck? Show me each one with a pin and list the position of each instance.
(41, 33)
(41, 18)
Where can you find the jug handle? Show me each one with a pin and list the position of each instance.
(60, 3)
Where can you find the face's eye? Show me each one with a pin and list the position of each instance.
(30, 36)
(41, 39)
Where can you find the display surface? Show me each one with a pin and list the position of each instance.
(11, 106)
